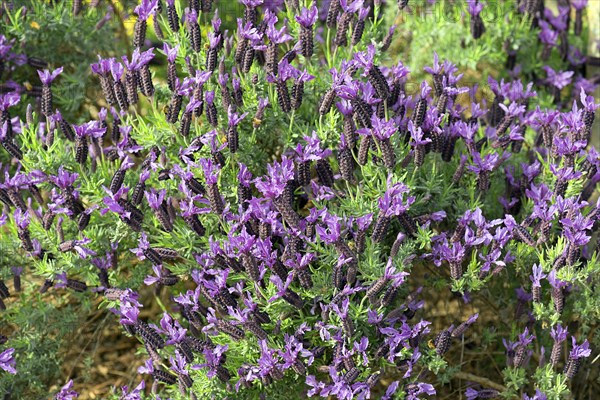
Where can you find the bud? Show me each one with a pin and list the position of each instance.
(149, 336)
(442, 342)
(342, 29)
(380, 228)
(332, 13)
(283, 96)
(139, 32)
(163, 376)
(324, 172)
(172, 17)
(327, 101)
(306, 38)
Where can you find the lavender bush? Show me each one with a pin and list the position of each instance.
(344, 199)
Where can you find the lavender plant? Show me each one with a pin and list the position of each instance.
(374, 221)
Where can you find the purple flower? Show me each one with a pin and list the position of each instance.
(537, 396)
(475, 8)
(487, 163)
(558, 333)
(112, 202)
(278, 36)
(556, 282)
(135, 394)
(145, 8)
(66, 393)
(178, 363)
(233, 118)
(247, 31)
(170, 52)
(92, 129)
(560, 21)
(143, 245)
(273, 184)
(330, 233)
(574, 229)
(9, 99)
(213, 358)
(281, 286)
(340, 388)
(83, 252)
(579, 351)
(286, 72)
(211, 170)
(64, 179)
(244, 176)
(316, 386)
(308, 16)
(365, 59)
(525, 338)
(422, 388)
(537, 275)
(547, 35)
(391, 389)
(514, 110)
(312, 151)
(588, 102)
(47, 77)
(566, 173)
(341, 311)
(558, 79)
(393, 202)
(364, 222)
(566, 146)
(159, 272)
(382, 129)
(416, 134)
(155, 198)
(7, 361)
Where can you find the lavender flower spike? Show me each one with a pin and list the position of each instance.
(559, 335)
(536, 277)
(577, 353)
(66, 392)
(7, 361)
(47, 77)
(306, 19)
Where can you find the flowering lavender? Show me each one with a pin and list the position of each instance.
(536, 278)
(47, 78)
(232, 133)
(418, 141)
(143, 11)
(382, 131)
(66, 392)
(191, 19)
(477, 26)
(482, 167)
(559, 335)
(7, 361)
(82, 134)
(577, 353)
(306, 19)
(366, 61)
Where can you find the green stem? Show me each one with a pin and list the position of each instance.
(162, 306)
(290, 126)
(122, 30)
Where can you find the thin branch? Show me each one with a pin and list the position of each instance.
(122, 30)
(479, 379)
